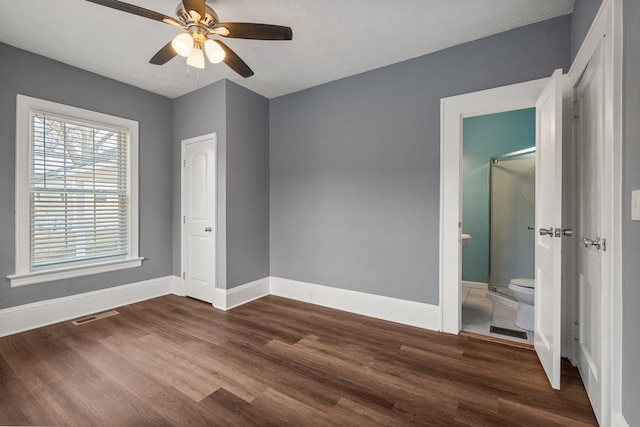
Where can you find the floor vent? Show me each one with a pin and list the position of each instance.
(508, 332)
(94, 317)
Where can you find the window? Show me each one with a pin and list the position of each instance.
(76, 192)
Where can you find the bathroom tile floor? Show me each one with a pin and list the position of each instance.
(479, 313)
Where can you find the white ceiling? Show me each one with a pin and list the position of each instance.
(331, 39)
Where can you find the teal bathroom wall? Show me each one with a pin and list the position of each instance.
(485, 137)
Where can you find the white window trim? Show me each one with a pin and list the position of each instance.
(24, 275)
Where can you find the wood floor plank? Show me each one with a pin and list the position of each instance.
(17, 403)
(155, 361)
(115, 366)
(236, 373)
(98, 396)
(227, 409)
(272, 362)
(522, 414)
(354, 414)
(273, 405)
(471, 414)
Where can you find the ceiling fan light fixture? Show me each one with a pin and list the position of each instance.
(214, 52)
(183, 44)
(200, 21)
(196, 59)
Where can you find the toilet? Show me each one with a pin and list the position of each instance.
(524, 291)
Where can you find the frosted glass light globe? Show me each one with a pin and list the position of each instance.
(214, 52)
(196, 59)
(183, 44)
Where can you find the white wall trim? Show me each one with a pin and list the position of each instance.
(25, 106)
(452, 111)
(619, 421)
(31, 278)
(412, 313)
(599, 27)
(43, 313)
(616, 324)
(475, 285)
(177, 285)
(226, 299)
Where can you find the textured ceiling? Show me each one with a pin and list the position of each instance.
(331, 39)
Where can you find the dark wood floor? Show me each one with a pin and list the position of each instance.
(177, 361)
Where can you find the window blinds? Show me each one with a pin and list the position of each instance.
(78, 192)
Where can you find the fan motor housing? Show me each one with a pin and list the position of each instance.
(208, 21)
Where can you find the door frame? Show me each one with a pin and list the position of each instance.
(452, 112)
(183, 147)
(608, 22)
(608, 25)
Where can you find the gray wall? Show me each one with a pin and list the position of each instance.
(355, 163)
(631, 229)
(197, 113)
(241, 120)
(247, 186)
(584, 11)
(28, 74)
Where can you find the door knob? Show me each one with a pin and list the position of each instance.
(595, 242)
(546, 232)
(208, 229)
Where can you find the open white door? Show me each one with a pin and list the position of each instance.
(198, 217)
(548, 222)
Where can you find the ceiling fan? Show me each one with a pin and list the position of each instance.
(200, 22)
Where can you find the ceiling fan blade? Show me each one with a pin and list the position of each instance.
(234, 61)
(196, 5)
(244, 30)
(164, 55)
(136, 10)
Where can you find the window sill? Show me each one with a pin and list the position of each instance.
(70, 272)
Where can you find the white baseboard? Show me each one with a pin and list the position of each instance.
(395, 310)
(619, 420)
(178, 285)
(226, 299)
(475, 285)
(42, 313)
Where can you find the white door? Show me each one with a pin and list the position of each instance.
(198, 217)
(591, 250)
(548, 221)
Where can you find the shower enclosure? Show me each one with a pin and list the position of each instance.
(511, 218)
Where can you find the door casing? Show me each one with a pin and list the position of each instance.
(453, 110)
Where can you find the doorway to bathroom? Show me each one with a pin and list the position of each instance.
(498, 212)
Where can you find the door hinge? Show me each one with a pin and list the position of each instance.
(575, 110)
(184, 219)
(184, 163)
(575, 333)
(184, 275)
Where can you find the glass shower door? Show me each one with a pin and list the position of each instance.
(512, 213)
